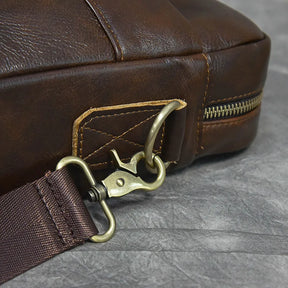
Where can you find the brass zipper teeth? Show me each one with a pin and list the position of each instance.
(232, 109)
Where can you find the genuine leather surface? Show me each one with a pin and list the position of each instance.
(60, 58)
(95, 132)
(42, 35)
(56, 99)
(219, 136)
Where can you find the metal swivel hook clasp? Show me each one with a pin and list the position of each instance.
(125, 179)
(121, 182)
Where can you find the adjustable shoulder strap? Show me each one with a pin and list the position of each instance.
(39, 221)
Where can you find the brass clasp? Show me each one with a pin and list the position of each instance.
(125, 179)
(84, 166)
(121, 182)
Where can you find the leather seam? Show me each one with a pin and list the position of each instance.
(113, 136)
(233, 122)
(162, 138)
(106, 162)
(128, 141)
(235, 97)
(106, 116)
(118, 114)
(121, 135)
(128, 61)
(200, 116)
(108, 26)
(159, 150)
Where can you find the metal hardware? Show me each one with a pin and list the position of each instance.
(125, 179)
(112, 224)
(121, 182)
(232, 109)
(150, 141)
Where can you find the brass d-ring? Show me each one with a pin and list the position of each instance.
(112, 224)
(150, 141)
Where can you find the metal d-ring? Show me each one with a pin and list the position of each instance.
(125, 179)
(150, 141)
(112, 224)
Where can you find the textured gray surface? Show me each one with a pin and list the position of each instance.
(222, 222)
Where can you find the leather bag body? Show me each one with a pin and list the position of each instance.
(107, 65)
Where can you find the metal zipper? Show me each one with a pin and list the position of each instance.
(232, 109)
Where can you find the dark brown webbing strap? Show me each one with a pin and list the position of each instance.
(40, 220)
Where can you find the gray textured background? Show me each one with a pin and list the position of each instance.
(219, 223)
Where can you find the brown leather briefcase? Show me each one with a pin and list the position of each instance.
(84, 77)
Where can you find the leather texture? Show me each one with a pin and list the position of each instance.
(219, 136)
(58, 59)
(39, 221)
(94, 132)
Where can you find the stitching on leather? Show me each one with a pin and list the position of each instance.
(113, 136)
(235, 97)
(81, 141)
(159, 150)
(42, 197)
(129, 158)
(226, 124)
(109, 27)
(200, 116)
(129, 61)
(107, 162)
(124, 133)
(162, 138)
(234, 122)
(122, 159)
(106, 116)
(60, 205)
(118, 114)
